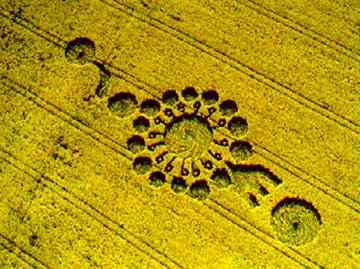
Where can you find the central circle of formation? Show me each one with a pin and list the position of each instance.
(189, 136)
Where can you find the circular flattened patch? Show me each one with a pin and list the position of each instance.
(136, 144)
(210, 97)
(221, 177)
(240, 150)
(178, 184)
(189, 136)
(228, 107)
(150, 107)
(238, 126)
(80, 50)
(200, 189)
(124, 103)
(170, 97)
(142, 165)
(295, 221)
(189, 94)
(157, 179)
(141, 124)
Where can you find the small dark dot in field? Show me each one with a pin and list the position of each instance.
(168, 112)
(33, 240)
(208, 165)
(157, 120)
(181, 107)
(196, 172)
(159, 159)
(197, 105)
(184, 172)
(222, 122)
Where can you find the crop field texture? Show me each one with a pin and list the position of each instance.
(180, 134)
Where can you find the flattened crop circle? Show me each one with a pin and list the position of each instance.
(200, 189)
(141, 124)
(80, 50)
(240, 150)
(210, 97)
(189, 94)
(157, 178)
(221, 177)
(150, 107)
(124, 103)
(178, 185)
(295, 221)
(142, 165)
(238, 126)
(228, 107)
(170, 97)
(136, 144)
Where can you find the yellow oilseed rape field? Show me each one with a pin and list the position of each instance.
(180, 134)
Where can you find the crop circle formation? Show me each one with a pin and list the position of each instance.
(183, 139)
(295, 221)
(191, 141)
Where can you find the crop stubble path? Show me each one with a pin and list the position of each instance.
(301, 28)
(89, 210)
(63, 42)
(237, 65)
(23, 255)
(250, 228)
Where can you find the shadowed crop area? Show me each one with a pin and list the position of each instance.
(179, 134)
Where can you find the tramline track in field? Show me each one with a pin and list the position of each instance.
(154, 92)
